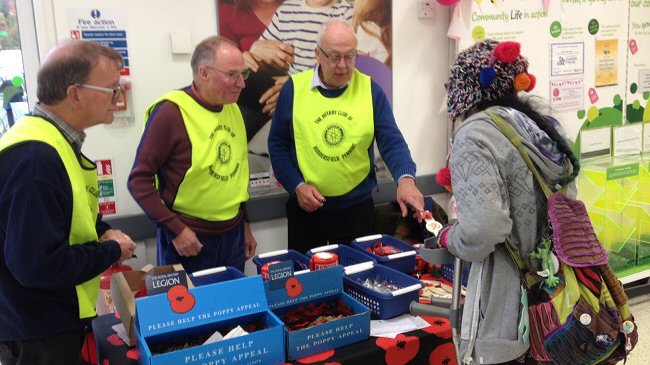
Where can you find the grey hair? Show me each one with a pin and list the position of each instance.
(205, 52)
(71, 68)
(326, 25)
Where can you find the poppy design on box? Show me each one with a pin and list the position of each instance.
(180, 300)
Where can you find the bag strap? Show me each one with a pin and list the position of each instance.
(516, 258)
(512, 136)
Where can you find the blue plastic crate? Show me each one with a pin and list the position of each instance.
(403, 261)
(215, 275)
(448, 273)
(382, 305)
(300, 261)
(347, 255)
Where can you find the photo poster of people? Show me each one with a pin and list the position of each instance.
(279, 38)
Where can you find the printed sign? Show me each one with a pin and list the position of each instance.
(157, 284)
(104, 26)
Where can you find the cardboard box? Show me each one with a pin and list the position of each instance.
(204, 309)
(124, 286)
(316, 287)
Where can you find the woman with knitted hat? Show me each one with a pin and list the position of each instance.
(496, 194)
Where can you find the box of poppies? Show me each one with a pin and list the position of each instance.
(222, 323)
(317, 314)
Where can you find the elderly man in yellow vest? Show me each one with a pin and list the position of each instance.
(321, 146)
(53, 243)
(190, 174)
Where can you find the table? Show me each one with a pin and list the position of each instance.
(431, 345)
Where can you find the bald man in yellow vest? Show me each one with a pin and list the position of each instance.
(321, 146)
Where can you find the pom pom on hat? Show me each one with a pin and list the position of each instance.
(507, 52)
(522, 82)
(444, 178)
(448, 2)
(533, 82)
(487, 76)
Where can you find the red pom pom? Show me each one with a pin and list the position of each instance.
(444, 176)
(448, 2)
(533, 82)
(507, 52)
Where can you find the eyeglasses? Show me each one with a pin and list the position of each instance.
(335, 59)
(115, 92)
(233, 75)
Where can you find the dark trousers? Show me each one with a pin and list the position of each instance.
(322, 227)
(55, 350)
(226, 249)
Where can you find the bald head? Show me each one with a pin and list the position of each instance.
(70, 63)
(337, 33)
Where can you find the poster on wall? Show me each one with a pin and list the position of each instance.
(583, 43)
(637, 108)
(270, 32)
(104, 26)
(106, 187)
(606, 62)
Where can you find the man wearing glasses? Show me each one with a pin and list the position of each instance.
(53, 244)
(321, 146)
(190, 174)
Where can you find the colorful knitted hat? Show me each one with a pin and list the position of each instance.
(486, 71)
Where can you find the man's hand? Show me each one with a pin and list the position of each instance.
(409, 195)
(270, 96)
(309, 198)
(187, 244)
(127, 246)
(249, 240)
(273, 52)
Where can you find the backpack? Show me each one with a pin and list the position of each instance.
(577, 309)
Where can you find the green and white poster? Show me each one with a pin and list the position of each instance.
(577, 50)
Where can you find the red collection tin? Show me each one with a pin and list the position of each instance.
(264, 271)
(323, 260)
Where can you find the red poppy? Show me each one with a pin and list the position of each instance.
(133, 354)
(180, 299)
(293, 286)
(399, 350)
(438, 326)
(115, 340)
(316, 358)
(444, 354)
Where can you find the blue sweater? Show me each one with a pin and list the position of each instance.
(392, 147)
(38, 267)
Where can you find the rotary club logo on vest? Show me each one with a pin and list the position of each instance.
(221, 169)
(334, 135)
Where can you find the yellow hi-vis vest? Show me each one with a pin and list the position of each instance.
(332, 135)
(216, 183)
(83, 180)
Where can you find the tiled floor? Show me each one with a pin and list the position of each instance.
(640, 307)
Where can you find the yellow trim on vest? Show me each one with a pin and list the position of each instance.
(84, 193)
(216, 183)
(333, 135)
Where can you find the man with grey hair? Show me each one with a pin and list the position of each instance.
(321, 146)
(190, 174)
(53, 243)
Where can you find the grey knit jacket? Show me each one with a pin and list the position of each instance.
(497, 199)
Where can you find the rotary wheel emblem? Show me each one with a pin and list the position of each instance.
(224, 152)
(334, 135)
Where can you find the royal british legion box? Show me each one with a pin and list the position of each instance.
(289, 291)
(183, 315)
